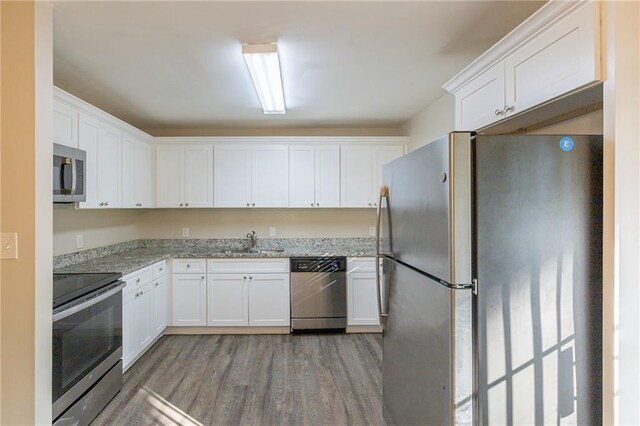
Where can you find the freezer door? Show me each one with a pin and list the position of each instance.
(426, 219)
(539, 270)
(427, 361)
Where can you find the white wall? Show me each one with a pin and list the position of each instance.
(98, 227)
(235, 223)
(436, 120)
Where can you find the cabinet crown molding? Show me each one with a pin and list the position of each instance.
(311, 140)
(543, 18)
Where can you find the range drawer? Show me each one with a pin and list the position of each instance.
(248, 266)
(189, 266)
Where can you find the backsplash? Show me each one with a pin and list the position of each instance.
(327, 244)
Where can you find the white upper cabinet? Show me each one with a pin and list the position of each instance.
(169, 175)
(269, 175)
(103, 145)
(314, 176)
(198, 176)
(381, 156)
(65, 124)
(232, 176)
(356, 176)
(481, 101)
(562, 58)
(184, 176)
(554, 52)
(302, 176)
(89, 133)
(136, 172)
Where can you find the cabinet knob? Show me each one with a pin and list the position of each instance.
(156, 284)
(186, 205)
(318, 204)
(375, 204)
(311, 204)
(508, 109)
(101, 204)
(180, 204)
(106, 203)
(188, 265)
(202, 277)
(138, 280)
(498, 112)
(248, 204)
(244, 278)
(250, 278)
(161, 269)
(254, 204)
(369, 204)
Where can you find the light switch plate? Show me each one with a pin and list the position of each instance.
(372, 231)
(185, 232)
(79, 241)
(9, 247)
(272, 231)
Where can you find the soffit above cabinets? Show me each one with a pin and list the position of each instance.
(179, 65)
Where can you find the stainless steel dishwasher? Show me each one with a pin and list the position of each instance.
(318, 293)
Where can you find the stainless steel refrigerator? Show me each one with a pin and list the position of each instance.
(491, 256)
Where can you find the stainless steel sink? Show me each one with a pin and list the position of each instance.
(250, 251)
(271, 251)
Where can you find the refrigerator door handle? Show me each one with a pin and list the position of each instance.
(384, 195)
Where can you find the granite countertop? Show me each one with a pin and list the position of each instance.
(132, 260)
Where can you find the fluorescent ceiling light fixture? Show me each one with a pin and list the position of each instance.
(264, 67)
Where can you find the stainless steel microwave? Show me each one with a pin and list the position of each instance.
(69, 171)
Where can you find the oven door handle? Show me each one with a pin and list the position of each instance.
(87, 303)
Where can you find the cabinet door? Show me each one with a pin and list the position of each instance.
(232, 175)
(142, 175)
(109, 151)
(65, 124)
(169, 175)
(327, 187)
(270, 176)
(302, 176)
(481, 101)
(198, 176)
(362, 299)
(356, 176)
(269, 303)
(159, 306)
(189, 300)
(129, 347)
(129, 173)
(88, 136)
(143, 317)
(381, 156)
(562, 58)
(227, 300)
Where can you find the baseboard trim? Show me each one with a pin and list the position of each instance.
(227, 330)
(364, 329)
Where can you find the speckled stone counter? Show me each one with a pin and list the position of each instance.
(131, 256)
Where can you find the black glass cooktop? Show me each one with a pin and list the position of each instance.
(68, 287)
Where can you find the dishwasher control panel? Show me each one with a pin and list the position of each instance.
(318, 264)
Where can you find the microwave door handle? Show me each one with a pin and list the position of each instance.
(64, 163)
(384, 195)
(73, 175)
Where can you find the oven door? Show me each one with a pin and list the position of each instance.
(87, 342)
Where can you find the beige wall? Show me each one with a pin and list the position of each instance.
(25, 293)
(436, 120)
(97, 227)
(235, 223)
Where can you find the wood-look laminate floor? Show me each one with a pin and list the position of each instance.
(319, 379)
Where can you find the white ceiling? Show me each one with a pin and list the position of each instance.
(178, 65)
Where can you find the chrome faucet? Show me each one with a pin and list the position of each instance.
(253, 239)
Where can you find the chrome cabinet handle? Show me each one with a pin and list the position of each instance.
(186, 204)
(106, 203)
(138, 280)
(244, 278)
(202, 277)
(248, 205)
(157, 284)
(161, 269)
(101, 204)
(253, 204)
(188, 265)
(250, 278)
(180, 204)
(508, 109)
(311, 204)
(317, 204)
(498, 112)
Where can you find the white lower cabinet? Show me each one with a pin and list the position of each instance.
(269, 302)
(144, 304)
(189, 300)
(248, 292)
(362, 299)
(227, 300)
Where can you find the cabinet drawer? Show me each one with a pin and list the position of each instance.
(137, 279)
(189, 266)
(361, 264)
(159, 269)
(248, 266)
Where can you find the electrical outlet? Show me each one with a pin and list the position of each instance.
(185, 232)
(272, 231)
(79, 241)
(372, 231)
(9, 248)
